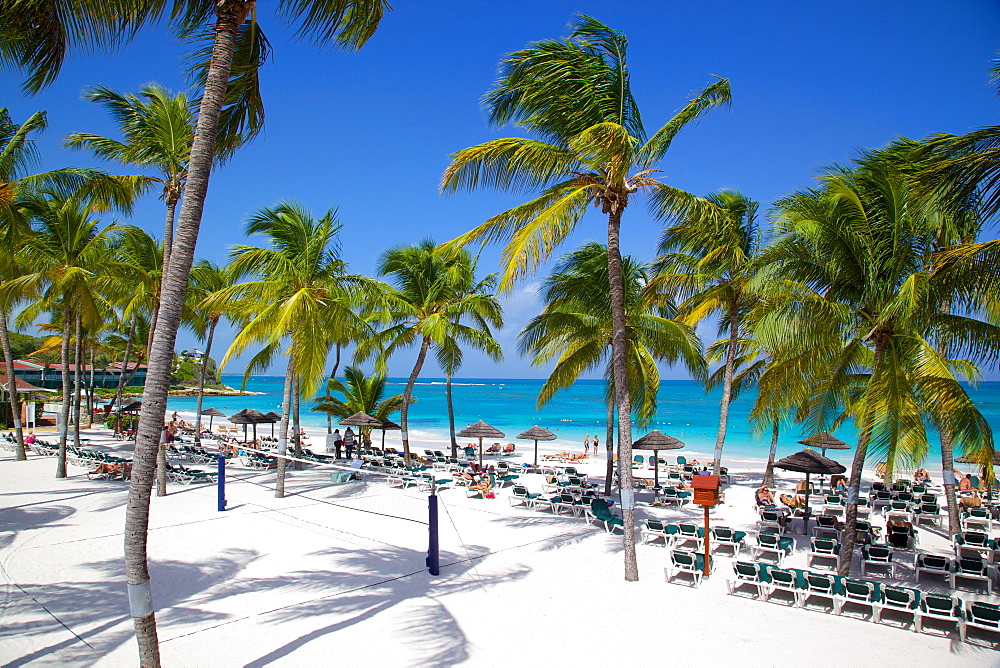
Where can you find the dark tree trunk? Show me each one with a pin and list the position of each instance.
(230, 16)
(297, 389)
(609, 445)
(201, 379)
(948, 476)
(619, 345)
(727, 388)
(168, 231)
(90, 387)
(451, 417)
(15, 405)
(404, 412)
(286, 409)
(128, 351)
(66, 390)
(333, 377)
(850, 532)
(77, 380)
(769, 471)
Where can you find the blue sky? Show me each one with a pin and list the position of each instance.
(370, 132)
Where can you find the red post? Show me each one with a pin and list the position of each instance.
(708, 550)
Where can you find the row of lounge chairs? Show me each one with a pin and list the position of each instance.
(907, 606)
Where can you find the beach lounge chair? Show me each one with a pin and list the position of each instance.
(521, 496)
(823, 548)
(686, 563)
(976, 519)
(933, 564)
(637, 461)
(975, 542)
(928, 512)
(673, 496)
(982, 616)
(567, 503)
(901, 535)
(690, 533)
(601, 512)
(747, 574)
(864, 508)
(655, 530)
(880, 498)
(821, 586)
(971, 568)
(826, 526)
(879, 556)
(771, 519)
(772, 543)
(782, 580)
(728, 538)
(900, 601)
(940, 608)
(859, 593)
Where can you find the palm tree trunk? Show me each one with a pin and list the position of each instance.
(298, 423)
(168, 232)
(769, 471)
(15, 406)
(727, 388)
(451, 416)
(609, 445)
(230, 15)
(77, 379)
(201, 379)
(404, 412)
(64, 410)
(124, 370)
(90, 387)
(333, 377)
(619, 344)
(850, 533)
(286, 405)
(948, 476)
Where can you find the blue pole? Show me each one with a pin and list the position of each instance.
(222, 483)
(433, 553)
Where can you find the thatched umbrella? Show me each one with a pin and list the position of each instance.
(256, 418)
(212, 413)
(362, 419)
(965, 459)
(656, 441)
(388, 425)
(809, 461)
(824, 441)
(537, 434)
(480, 430)
(241, 417)
(271, 418)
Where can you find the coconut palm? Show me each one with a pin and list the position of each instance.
(299, 292)
(707, 259)
(430, 297)
(857, 290)
(574, 94)
(360, 393)
(36, 38)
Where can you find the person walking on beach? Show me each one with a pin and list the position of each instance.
(586, 445)
(338, 443)
(349, 442)
(596, 445)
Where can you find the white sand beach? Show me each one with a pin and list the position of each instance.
(335, 574)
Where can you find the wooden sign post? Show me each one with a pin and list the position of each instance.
(706, 495)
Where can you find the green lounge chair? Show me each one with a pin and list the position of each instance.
(823, 548)
(783, 580)
(749, 574)
(772, 543)
(687, 563)
(983, 616)
(860, 593)
(900, 600)
(879, 556)
(971, 568)
(726, 537)
(940, 608)
(654, 530)
(601, 512)
(933, 564)
(822, 586)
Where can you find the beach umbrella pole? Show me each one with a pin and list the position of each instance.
(808, 510)
(480, 452)
(536, 453)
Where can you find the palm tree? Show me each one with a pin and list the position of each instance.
(430, 298)
(299, 292)
(859, 294)
(575, 95)
(361, 393)
(16, 152)
(707, 259)
(36, 39)
(67, 254)
(576, 329)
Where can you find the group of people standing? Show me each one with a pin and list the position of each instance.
(587, 444)
(337, 444)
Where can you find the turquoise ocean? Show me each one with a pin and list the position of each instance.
(685, 411)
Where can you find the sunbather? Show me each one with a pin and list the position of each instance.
(765, 497)
(921, 475)
(791, 501)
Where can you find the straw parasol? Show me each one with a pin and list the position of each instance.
(271, 418)
(388, 425)
(809, 461)
(256, 418)
(656, 441)
(825, 441)
(480, 430)
(537, 434)
(362, 419)
(212, 413)
(247, 416)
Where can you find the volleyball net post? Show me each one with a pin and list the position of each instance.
(433, 545)
(222, 483)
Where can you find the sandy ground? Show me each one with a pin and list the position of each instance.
(335, 574)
